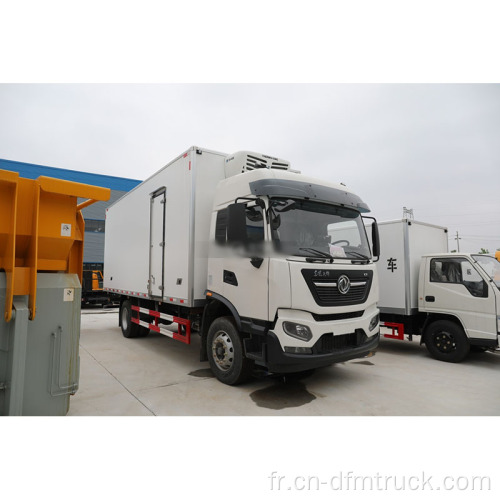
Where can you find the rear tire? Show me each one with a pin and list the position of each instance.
(446, 341)
(130, 330)
(225, 352)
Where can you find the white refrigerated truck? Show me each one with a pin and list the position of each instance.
(238, 249)
(451, 300)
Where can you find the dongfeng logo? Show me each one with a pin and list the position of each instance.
(343, 284)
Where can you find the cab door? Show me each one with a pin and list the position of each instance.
(244, 268)
(454, 285)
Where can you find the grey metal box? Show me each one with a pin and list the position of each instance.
(39, 359)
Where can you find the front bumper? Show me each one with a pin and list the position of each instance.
(279, 361)
(336, 338)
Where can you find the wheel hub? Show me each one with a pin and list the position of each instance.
(445, 342)
(125, 319)
(222, 351)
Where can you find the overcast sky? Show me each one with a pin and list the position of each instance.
(431, 147)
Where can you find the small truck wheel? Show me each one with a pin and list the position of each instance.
(446, 341)
(225, 352)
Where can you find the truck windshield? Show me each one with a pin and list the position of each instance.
(491, 266)
(317, 230)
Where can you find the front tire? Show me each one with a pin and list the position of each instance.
(225, 352)
(446, 341)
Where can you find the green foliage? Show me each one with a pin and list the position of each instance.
(483, 250)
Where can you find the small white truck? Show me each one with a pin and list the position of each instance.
(451, 300)
(239, 249)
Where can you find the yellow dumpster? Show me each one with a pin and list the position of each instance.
(41, 258)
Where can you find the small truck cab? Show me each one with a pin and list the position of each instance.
(459, 296)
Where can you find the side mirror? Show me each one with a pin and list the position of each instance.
(236, 223)
(375, 239)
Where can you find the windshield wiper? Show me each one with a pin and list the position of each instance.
(357, 254)
(318, 252)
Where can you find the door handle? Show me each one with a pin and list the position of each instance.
(430, 298)
(230, 278)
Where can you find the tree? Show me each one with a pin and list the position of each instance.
(483, 250)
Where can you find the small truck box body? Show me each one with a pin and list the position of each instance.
(450, 299)
(403, 242)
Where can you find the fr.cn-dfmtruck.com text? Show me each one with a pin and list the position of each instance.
(349, 481)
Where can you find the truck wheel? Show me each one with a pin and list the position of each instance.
(446, 341)
(225, 352)
(130, 330)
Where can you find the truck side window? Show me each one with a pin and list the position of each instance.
(446, 271)
(254, 225)
(472, 280)
(458, 271)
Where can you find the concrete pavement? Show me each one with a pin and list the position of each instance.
(157, 375)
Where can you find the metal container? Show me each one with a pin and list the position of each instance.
(41, 253)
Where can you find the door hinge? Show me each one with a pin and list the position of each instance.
(162, 244)
(163, 201)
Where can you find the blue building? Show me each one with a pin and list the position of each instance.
(95, 214)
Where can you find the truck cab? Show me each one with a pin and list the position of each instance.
(460, 295)
(291, 285)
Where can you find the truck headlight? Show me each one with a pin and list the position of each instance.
(297, 331)
(373, 322)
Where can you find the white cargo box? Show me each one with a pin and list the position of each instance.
(402, 244)
(156, 242)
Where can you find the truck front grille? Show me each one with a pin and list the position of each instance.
(329, 343)
(328, 292)
(338, 316)
(324, 286)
